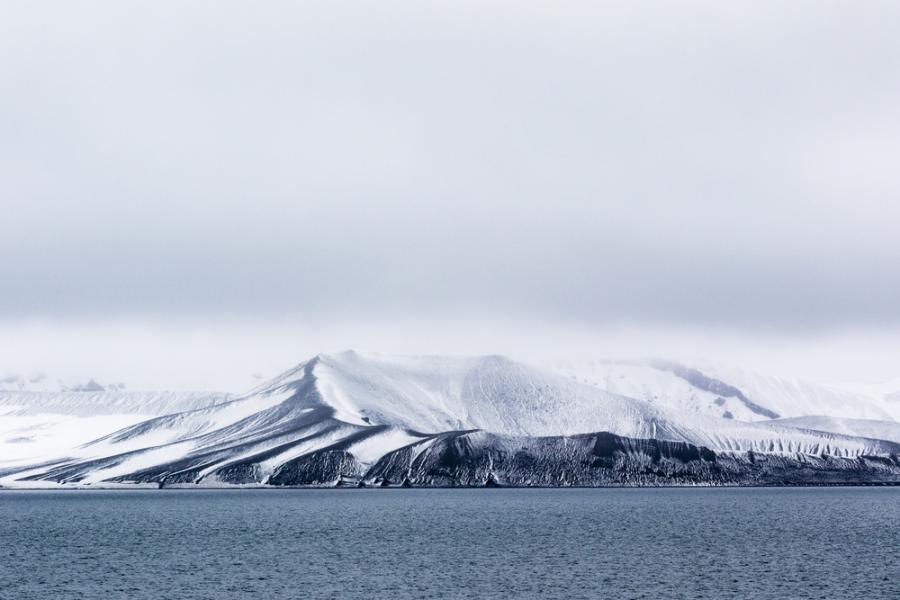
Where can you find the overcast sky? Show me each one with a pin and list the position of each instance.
(216, 188)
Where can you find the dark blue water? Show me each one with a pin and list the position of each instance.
(602, 543)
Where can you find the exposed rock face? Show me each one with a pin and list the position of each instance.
(470, 459)
(319, 468)
(477, 459)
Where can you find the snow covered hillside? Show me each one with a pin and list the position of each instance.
(355, 415)
(728, 392)
(45, 418)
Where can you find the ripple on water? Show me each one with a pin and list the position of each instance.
(498, 543)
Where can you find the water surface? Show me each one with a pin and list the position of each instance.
(486, 543)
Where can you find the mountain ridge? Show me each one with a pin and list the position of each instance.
(360, 417)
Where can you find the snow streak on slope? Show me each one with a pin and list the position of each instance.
(874, 429)
(347, 413)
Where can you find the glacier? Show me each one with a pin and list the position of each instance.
(374, 420)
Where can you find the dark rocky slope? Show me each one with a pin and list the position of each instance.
(477, 458)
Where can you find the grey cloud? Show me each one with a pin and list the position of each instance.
(706, 163)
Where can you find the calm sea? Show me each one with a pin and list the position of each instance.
(486, 543)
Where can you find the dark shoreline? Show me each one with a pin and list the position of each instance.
(89, 488)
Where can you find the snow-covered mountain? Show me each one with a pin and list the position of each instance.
(450, 421)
